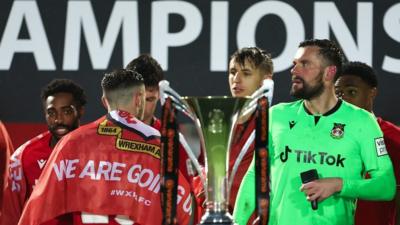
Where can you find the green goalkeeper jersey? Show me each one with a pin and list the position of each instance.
(346, 142)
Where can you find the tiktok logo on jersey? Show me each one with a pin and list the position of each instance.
(285, 155)
(307, 156)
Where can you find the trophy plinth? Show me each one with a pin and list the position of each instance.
(211, 217)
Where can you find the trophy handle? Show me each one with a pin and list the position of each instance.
(167, 92)
(193, 158)
(266, 90)
(242, 153)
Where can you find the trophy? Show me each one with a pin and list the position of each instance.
(215, 118)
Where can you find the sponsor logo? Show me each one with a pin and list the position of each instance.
(291, 124)
(285, 155)
(136, 146)
(306, 156)
(380, 146)
(103, 129)
(108, 130)
(41, 163)
(337, 131)
(128, 145)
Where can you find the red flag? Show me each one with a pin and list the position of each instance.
(109, 167)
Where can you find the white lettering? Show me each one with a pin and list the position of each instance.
(89, 170)
(181, 193)
(65, 169)
(147, 202)
(143, 181)
(187, 205)
(391, 20)
(155, 182)
(219, 36)
(116, 170)
(131, 173)
(327, 17)
(157, 188)
(161, 39)
(141, 199)
(38, 44)
(16, 173)
(105, 169)
(80, 15)
(293, 24)
(144, 178)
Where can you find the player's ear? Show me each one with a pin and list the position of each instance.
(81, 111)
(330, 72)
(140, 97)
(104, 101)
(373, 93)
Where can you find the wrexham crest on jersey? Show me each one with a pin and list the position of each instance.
(337, 131)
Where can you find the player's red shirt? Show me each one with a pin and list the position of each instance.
(381, 212)
(25, 167)
(6, 149)
(241, 135)
(110, 171)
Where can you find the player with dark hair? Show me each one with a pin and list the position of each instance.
(108, 171)
(358, 85)
(67, 86)
(337, 140)
(63, 89)
(63, 103)
(152, 75)
(361, 86)
(248, 67)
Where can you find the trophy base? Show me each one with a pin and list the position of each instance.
(221, 218)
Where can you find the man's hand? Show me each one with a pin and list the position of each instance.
(322, 188)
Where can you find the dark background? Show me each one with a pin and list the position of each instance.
(189, 66)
